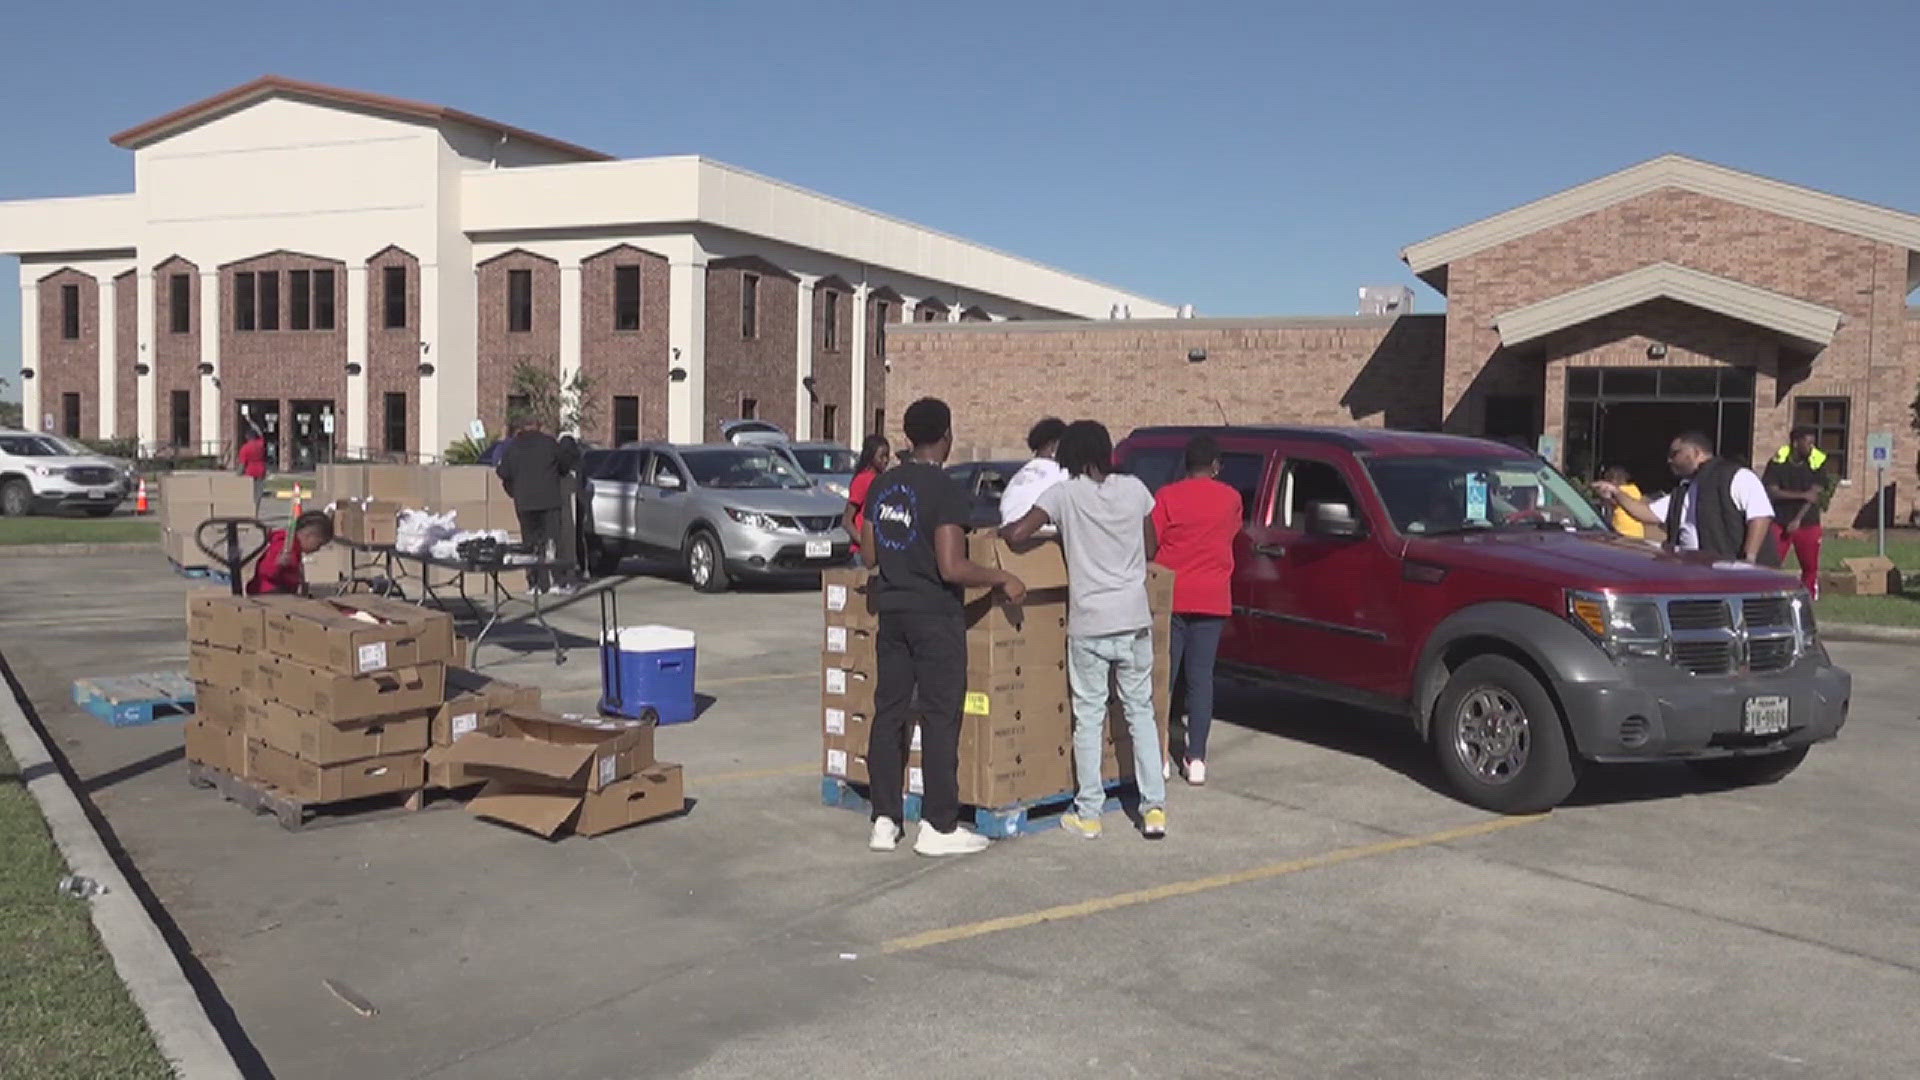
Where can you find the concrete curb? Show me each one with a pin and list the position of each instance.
(1884, 635)
(151, 972)
(114, 547)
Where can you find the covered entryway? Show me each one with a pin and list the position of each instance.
(1627, 417)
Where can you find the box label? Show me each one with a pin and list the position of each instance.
(465, 723)
(916, 740)
(837, 722)
(916, 781)
(373, 657)
(836, 680)
(836, 598)
(609, 769)
(976, 704)
(836, 763)
(836, 639)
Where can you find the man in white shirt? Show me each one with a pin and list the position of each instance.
(1723, 509)
(1037, 475)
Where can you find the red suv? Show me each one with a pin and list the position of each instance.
(1466, 585)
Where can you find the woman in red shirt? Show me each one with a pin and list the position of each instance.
(1196, 520)
(253, 463)
(874, 453)
(279, 570)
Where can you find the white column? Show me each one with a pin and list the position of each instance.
(105, 410)
(570, 325)
(359, 438)
(30, 417)
(953, 311)
(803, 358)
(857, 399)
(146, 425)
(432, 444)
(909, 307)
(210, 354)
(687, 348)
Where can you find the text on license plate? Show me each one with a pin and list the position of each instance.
(819, 549)
(1765, 716)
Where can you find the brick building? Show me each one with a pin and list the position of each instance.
(1673, 295)
(361, 275)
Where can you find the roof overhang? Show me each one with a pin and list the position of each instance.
(1429, 258)
(1809, 324)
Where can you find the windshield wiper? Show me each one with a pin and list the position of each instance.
(1469, 527)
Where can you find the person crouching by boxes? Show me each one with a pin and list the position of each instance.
(1106, 528)
(914, 532)
(279, 570)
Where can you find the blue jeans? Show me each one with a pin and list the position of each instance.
(1195, 644)
(1090, 660)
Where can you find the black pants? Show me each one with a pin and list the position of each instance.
(538, 528)
(923, 655)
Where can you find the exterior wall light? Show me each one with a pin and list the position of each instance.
(26, 373)
(142, 369)
(1656, 351)
(1194, 356)
(353, 369)
(678, 374)
(206, 368)
(426, 369)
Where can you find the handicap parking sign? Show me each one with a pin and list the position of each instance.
(1880, 450)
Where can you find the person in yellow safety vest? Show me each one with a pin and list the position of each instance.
(1797, 481)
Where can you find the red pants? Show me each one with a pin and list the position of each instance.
(1805, 542)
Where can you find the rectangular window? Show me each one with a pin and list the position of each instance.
(880, 311)
(396, 425)
(323, 299)
(879, 422)
(70, 415)
(626, 298)
(299, 300)
(180, 405)
(1307, 483)
(243, 301)
(749, 408)
(830, 321)
(1829, 418)
(829, 422)
(70, 312)
(626, 419)
(519, 301)
(393, 291)
(180, 303)
(518, 405)
(749, 305)
(269, 300)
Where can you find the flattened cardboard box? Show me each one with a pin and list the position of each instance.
(322, 636)
(333, 783)
(434, 629)
(216, 745)
(551, 752)
(219, 618)
(317, 740)
(344, 698)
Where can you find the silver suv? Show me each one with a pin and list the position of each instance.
(720, 511)
(39, 473)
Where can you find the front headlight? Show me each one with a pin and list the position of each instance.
(752, 519)
(43, 470)
(1622, 625)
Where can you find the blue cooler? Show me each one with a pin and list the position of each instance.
(647, 672)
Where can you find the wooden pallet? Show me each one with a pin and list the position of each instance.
(293, 814)
(131, 700)
(1023, 818)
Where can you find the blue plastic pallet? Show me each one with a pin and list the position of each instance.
(1000, 822)
(207, 573)
(132, 700)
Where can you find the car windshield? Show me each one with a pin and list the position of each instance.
(743, 468)
(65, 446)
(29, 446)
(825, 461)
(1436, 495)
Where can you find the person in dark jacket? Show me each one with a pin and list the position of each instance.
(1720, 508)
(534, 470)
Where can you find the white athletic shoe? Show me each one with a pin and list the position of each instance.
(1166, 769)
(960, 841)
(886, 835)
(1196, 772)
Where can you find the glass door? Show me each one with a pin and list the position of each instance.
(1627, 416)
(264, 417)
(312, 434)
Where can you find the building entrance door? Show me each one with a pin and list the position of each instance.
(1627, 416)
(311, 434)
(264, 417)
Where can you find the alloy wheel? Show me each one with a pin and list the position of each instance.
(1492, 735)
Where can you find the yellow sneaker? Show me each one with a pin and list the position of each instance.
(1085, 828)
(1153, 824)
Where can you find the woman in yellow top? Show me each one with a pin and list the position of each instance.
(1623, 522)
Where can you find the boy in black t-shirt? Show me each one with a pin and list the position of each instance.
(1797, 481)
(914, 533)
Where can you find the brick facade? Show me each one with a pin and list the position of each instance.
(832, 366)
(283, 365)
(126, 353)
(68, 365)
(621, 363)
(502, 349)
(760, 367)
(176, 357)
(393, 357)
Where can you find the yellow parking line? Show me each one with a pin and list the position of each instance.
(740, 679)
(755, 774)
(1196, 885)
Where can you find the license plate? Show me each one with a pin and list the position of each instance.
(1765, 716)
(819, 549)
(96, 494)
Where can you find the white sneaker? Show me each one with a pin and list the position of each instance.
(960, 841)
(1196, 772)
(1166, 769)
(886, 835)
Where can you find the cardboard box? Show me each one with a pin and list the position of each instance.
(345, 698)
(313, 783)
(1041, 565)
(338, 483)
(325, 569)
(219, 704)
(467, 515)
(847, 597)
(501, 696)
(852, 644)
(845, 687)
(375, 521)
(319, 633)
(1873, 575)
(1035, 770)
(219, 618)
(534, 750)
(1159, 589)
(216, 745)
(457, 484)
(412, 486)
(322, 742)
(433, 628)
(178, 547)
(654, 792)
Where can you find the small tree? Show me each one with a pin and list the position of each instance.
(539, 393)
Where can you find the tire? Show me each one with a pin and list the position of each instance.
(1500, 739)
(705, 564)
(16, 498)
(603, 559)
(1753, 769)
(99, 511)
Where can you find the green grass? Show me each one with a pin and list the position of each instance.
(1903, 547)
(71, 530)
(1903, 611)
(63, 1010)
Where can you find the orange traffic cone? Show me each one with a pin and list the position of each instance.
(294, 515)
(140, 498)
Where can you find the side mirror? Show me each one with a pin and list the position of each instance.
(668, 482)
(1334, 520)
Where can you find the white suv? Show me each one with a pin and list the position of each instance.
(45, 472)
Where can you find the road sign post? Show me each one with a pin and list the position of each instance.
(1880, 456)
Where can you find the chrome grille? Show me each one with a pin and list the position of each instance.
(1698, 615)
(92, 475)
(820, 523)
(1704, 657)
(1736, 634)
(1770, 654)
(1766, 611)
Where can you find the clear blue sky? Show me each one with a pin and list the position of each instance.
(1248, 158)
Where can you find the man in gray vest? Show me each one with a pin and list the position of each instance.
(1720, 508)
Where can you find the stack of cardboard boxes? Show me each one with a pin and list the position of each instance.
(189, 498)
(1016, 732)
(225, 635)
(544, 772)
(473, 492)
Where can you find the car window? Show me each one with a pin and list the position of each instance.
(745, 468)
(825, 461)
(664, 465)
(1155, 467)
(1242, 472)
(25, 446)
(1304, 482)
(1428, 495)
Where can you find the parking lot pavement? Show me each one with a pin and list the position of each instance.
(1321, 909)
